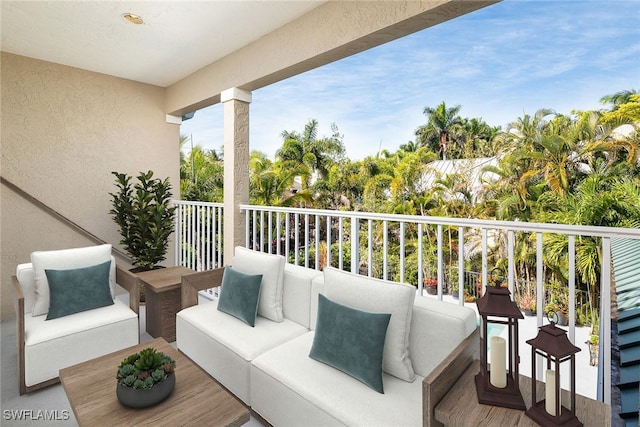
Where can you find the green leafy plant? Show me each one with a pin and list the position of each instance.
(144, 217)
(145, 369)
(527, 301)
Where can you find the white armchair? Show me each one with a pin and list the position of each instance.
(67, 312)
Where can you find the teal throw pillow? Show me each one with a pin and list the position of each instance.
(239, 295)
(351, 340)
(80, 289)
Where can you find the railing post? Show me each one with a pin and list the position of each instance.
(370, 248)
(402, 252)
(572, 288)
(461, 266)
(355, 245)
(420, 261)
(440, 262)
(605, 316)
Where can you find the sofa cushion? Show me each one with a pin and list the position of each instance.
(80, 289)
(379, 296)
(64, 259)
(272, 269)
(429, 346)
(284, 379)
(351, 340)
(239, 295)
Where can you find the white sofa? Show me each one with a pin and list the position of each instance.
(46, 346)
(268, 366)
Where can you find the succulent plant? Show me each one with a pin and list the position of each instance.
(143, 370)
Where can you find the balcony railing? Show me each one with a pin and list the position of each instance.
(198, 234)
(414, 249)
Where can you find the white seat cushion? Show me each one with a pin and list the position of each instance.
(39, 330)
(51, 345)
(224, 346)
(245, 341)
(328, 396)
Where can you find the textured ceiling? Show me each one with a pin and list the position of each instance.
(176, 39)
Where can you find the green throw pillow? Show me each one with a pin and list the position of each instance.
(239, 295)
(80, 289)
(350, 340)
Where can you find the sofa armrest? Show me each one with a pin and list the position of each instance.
(436, 385)
(193, 283)
(18, 305)
(129, 281)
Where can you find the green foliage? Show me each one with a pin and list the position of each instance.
(143, 370)
(569, 169)
(202, 176)
(149, 360)
(144, 217)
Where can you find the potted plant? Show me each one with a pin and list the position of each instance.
(145, 219)
(527, 304)
(593, 343)
(559, 303)
(431, 285)
(469, 298)
(145, 378)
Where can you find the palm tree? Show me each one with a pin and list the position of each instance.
(305, 149)
(272, 184)
(202, 175)
(618, 98)
(441, 126)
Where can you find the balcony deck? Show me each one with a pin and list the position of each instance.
(586, 381)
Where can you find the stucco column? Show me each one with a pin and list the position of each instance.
(236, 167)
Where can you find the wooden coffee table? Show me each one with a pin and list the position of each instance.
(196, 400)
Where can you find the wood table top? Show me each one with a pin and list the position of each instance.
(196, 400)
(164, 279)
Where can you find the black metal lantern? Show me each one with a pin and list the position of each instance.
(553, 344)
(498, 384)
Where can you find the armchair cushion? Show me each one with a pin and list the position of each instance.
(239, 295)
(75, 290)
(65, 259)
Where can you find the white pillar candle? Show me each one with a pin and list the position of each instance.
(498, 373)
(550, 392)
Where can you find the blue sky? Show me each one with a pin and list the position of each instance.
(498, 63)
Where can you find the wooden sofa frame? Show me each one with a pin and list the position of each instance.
(438, 383)
(124, 278)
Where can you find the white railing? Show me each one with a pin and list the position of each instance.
(198, 234)
(315, 238)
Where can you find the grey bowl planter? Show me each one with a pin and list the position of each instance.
(140, 398)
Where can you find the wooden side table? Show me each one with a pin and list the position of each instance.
(162, 299)
(460, 406)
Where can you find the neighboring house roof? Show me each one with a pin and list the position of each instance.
(626, 271)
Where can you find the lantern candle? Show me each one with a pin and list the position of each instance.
(498, 374)
(550, 392)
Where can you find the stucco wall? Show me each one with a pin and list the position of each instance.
(63, 131)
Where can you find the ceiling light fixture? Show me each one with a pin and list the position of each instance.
(133, 18)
